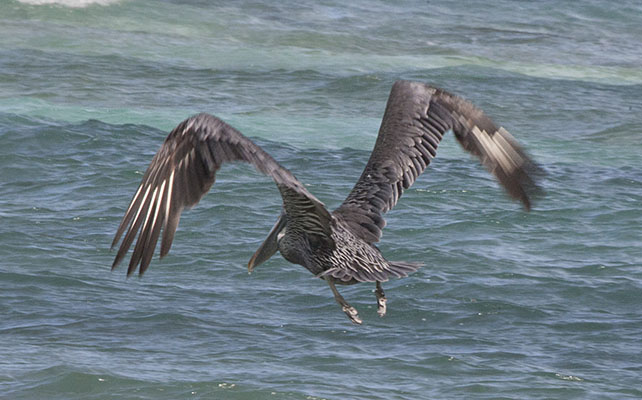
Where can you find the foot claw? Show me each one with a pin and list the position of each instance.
(351, 312)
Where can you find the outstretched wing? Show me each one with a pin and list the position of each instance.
(182, 172)
(416, 118)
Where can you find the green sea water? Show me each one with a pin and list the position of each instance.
(509, 304)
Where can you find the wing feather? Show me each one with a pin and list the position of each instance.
(416, 118)
(182, 172)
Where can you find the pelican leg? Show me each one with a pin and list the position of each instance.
(350, 311)
(381, 300)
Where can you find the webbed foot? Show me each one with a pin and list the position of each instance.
(351, 312)
(381, 300)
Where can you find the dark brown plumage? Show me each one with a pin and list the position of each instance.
(338, 246)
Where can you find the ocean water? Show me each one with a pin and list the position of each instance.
(509, 304)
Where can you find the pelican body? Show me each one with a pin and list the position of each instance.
(337, 246)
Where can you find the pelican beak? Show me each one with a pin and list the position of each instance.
(269, 245)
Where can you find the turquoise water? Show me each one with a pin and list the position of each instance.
(509, 304)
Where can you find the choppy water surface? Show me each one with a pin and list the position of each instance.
(509, 304)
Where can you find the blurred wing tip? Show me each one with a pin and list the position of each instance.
(532, 192)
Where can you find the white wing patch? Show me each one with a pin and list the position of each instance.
(149, 211)
(499, 147)
(160, 201)
(140, 208)
(169, 196)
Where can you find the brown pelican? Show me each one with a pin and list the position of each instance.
(337, 246)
